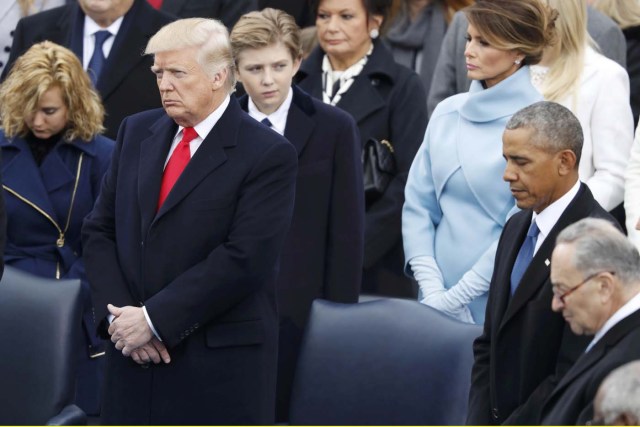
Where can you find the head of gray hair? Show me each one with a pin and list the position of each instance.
(599, 246)
(211, 38)
(555, 127)
(619, 393)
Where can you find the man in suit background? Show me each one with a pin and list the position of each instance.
(323, 251)
(227, 11)
(119, 70)
(618, 399)
(595, 272)
(183, 262)
(525, 344)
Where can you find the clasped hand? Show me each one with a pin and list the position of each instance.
(132, 335)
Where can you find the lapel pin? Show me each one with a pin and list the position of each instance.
(547, 262)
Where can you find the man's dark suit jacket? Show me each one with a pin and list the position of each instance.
(322, 255)
(525, 347)
(204, 267)
(126, 85)
(227, 11)
(571, 403)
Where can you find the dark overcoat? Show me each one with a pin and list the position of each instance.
(525, 347)
(322, 254)
(203, 265)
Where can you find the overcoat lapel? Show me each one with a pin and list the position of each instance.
(153, 154)
(33, 190)
(609, 340)
(135, 32)
(209, 157)
(300, 125)
(537, 274)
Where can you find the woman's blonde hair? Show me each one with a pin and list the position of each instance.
(626, 13)
(523, 25)
(44, 66)
(256, 30)
(563, 78)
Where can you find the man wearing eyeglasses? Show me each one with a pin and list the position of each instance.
(595, 276)
(525, 347)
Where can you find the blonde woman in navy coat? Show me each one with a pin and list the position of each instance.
(322, 254)
(53, 160)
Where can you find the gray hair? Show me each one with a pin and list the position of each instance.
(600, 246)
(209, 35)
(620, 393)
(555, 127)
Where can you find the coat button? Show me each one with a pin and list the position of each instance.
(375, 82)
(494, 413)
(7, 49)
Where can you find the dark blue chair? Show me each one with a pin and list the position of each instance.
(40, 327)
(383, 362)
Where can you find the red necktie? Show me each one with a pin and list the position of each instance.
(155, 3)
(176, 164)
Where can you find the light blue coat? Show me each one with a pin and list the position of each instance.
(456, 200)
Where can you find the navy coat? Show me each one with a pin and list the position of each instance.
(388, 102)
(322, 254)
(571, 402)
(31, 236)
(204, 267)
(127, 85)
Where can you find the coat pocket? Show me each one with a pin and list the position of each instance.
(232, 334)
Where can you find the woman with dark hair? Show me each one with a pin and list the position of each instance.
(353, 70)
(456, 200)
(53, 159)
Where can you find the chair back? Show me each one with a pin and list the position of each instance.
(384, 362)
(40, 326)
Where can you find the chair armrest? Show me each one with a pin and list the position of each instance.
(70, 415)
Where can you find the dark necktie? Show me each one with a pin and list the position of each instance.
(267, 122)
(176, 164)
(96, 63)
(525, 255)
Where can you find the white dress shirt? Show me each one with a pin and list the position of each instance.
(626, 310)
(550, 215)
(278, 118)
(89, 38)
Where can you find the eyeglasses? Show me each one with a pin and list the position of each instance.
(575, 288)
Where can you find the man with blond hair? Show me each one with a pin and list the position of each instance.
(182, 247)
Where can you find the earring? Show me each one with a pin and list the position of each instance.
(374, 33)
(517, 61)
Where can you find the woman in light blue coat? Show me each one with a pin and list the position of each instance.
(456, 201)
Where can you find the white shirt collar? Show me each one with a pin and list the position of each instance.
(278, 118)
(202, 129)
(549, 216)
(626, 310)
(89, 41)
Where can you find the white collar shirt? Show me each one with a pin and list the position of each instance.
(278, 118)
(89, 39)
(626, 310)
(202, 129)
(548, 218)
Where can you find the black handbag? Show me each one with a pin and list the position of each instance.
(379, 167)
